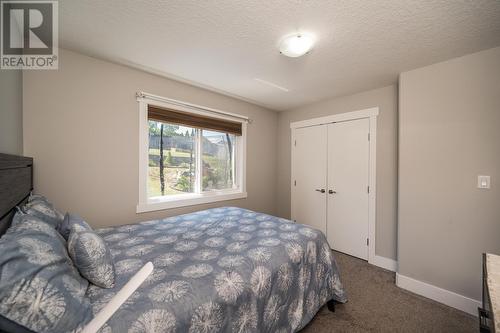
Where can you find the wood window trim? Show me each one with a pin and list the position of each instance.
(193, 120)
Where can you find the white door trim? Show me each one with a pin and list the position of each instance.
(371, 114)
(385, 263)
(334, 118)
(372, 183)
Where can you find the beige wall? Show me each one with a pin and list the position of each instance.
(386, 99)
(449, 133)
(11, 112)
(81, 127)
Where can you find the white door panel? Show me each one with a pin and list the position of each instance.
(309, 167)
(348, 172)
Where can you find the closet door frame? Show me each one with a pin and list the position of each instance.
(371, 114)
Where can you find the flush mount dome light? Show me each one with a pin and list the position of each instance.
(296, 45)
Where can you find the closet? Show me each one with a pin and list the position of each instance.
(331, 173)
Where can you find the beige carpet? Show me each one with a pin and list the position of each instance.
(377, 305)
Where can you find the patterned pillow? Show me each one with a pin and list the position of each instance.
(40, 207)
(40, 289)
(69, 221)
(92, 257)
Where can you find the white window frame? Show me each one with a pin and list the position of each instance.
(146, 204)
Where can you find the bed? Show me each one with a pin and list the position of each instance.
(219, 270)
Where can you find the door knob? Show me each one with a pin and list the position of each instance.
(322, 190)
(332, 192)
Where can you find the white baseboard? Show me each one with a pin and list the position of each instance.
(440, 295)
(386, 263)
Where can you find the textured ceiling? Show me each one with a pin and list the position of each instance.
(225, 45)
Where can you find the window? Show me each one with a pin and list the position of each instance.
(217, 160)
(189, 155)
(172, 159)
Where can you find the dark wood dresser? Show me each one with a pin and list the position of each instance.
(489, 314)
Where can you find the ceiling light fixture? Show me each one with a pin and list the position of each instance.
(297, 44)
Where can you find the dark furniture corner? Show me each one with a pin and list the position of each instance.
(16, 183)
(486, 311)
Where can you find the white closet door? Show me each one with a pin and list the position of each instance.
(309, 167)
(348, 171)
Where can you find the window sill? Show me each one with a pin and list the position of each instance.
(183, 200)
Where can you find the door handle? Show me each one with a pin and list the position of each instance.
(332, 192)
(322, 190)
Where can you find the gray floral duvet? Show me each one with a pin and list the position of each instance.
(220, 270)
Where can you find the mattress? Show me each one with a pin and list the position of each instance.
(220, 270)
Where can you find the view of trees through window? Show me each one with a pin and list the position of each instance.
(173, 159)
(217, 160)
